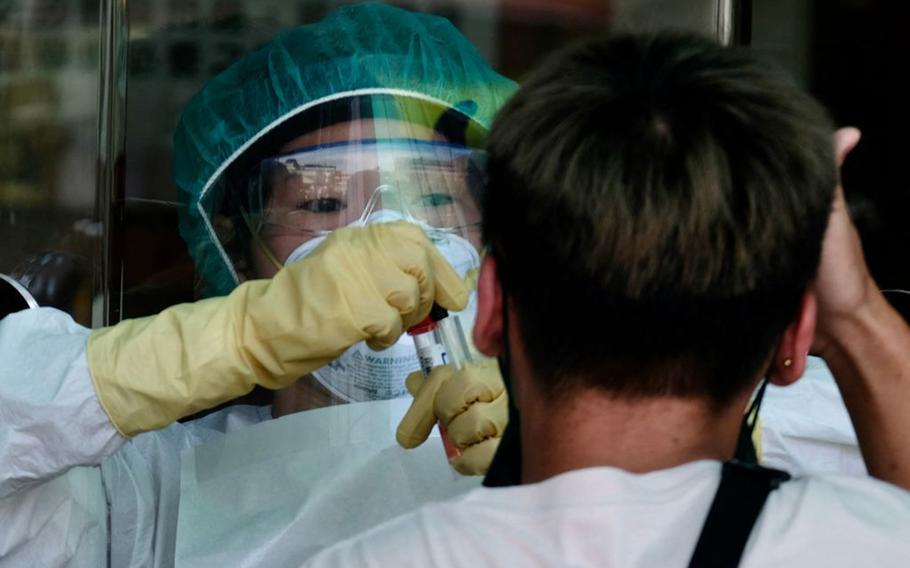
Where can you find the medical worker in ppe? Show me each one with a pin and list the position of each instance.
(328, 184)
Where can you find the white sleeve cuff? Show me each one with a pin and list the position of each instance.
(50, 417)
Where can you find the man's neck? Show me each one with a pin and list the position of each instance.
(592, 428)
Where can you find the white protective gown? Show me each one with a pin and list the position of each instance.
(249, 492)
(73, 492)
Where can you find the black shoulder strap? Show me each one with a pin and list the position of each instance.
(742, 493)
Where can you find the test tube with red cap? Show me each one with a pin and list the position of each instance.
(427, 336)
(432, 351)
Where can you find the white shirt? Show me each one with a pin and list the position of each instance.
(607, 517)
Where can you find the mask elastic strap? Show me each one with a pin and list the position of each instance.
(745, 446)
(258, 240)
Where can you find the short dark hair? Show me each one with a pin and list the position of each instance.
(656, 206)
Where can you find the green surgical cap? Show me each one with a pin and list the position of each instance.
(366, 49)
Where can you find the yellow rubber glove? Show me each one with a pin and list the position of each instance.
(471, 404)
(360, 284)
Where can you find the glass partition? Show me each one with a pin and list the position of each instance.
(48, 106)
(91, 92)
(177, 45)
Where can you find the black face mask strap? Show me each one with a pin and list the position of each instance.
(745, 447)
(505, 470)
(744, 488)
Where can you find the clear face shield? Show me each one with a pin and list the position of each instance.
(399, 161)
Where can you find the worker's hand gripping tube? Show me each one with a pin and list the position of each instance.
(430, 339)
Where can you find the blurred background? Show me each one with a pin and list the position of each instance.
(91, 91)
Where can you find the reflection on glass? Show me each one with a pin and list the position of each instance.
(183, 59)
(177, 45)
(48, 128)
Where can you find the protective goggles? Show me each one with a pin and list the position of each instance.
(315, 190)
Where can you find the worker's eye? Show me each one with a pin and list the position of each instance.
(321, 205)
(436, 199)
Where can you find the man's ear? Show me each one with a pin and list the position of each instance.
(488, 322)
(789, 361)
